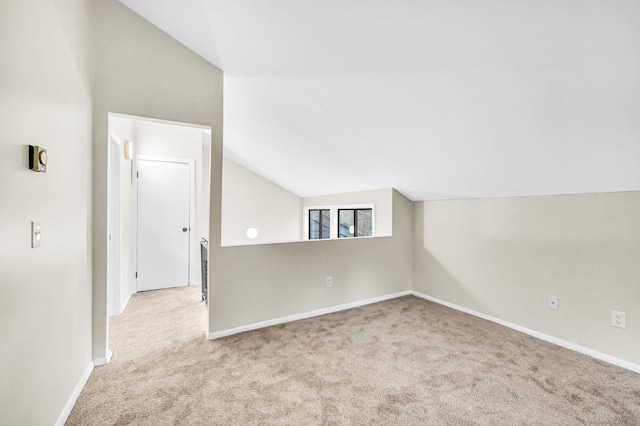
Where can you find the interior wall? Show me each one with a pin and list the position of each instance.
(504, 257)
(251, 201)
(141, 71)
(262, 282)
(123, 130)
(170, 141)
(45, 301)
(381, 198)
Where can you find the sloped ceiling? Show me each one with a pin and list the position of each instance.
(438, 99)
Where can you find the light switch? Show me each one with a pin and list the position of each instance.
(35, 234)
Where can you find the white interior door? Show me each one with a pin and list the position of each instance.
(164, 228)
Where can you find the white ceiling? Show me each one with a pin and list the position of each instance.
(438, 99)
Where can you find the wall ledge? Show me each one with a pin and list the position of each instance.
(547, 338)
(62, 419)
(304, 315)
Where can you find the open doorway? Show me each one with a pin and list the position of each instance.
(132, 140)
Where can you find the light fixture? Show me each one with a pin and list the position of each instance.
(351, 229)
(252, 233)
(128, 149)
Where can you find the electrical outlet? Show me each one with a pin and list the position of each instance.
(329, 281)
(553, 302)
(618, 319)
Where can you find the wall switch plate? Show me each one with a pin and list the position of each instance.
(618, 319)
(553, 302)
(329, 281)
(35, 234)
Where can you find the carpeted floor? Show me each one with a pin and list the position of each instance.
(404, 361)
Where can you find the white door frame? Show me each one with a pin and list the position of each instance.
(114, 228)
(192, 203)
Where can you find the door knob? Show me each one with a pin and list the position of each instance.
(184, 229)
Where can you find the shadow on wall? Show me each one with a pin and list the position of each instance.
(436, 280)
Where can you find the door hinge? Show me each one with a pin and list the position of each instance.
(137, 174)
(136, 275)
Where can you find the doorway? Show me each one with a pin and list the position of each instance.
(156, 139)
(164, 200)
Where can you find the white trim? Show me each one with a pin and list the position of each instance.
(196, 284)
(102, 361)
(304, 315)
(547, 338)
(158, 120)
(126, 302)
(333, 218)
(62, 418)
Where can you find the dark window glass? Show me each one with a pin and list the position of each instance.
(364, 223)
(355, 223)
(319, 226)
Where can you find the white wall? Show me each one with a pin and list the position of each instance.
(122, 128)
(45, 293)
(380, 198)
(172, 141)
(249, 200)
(503, 257)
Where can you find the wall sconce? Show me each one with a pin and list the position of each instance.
(128, 149)
(37, 159)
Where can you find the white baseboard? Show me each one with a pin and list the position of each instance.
(126, 302)
(547, 338)
(102, 361)
(62, 419)
(304, 315)
(196, 284)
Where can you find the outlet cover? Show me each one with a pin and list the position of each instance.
(553, 302)
(618, 319)
(329, 281)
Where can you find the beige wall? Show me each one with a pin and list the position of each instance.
(262, 282)
(141, 71)
(249, 200)
(504, 257)
(45, 293)
(381, 198)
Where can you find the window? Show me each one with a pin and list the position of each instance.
(319, 224)
(347, 221)
(355, 223)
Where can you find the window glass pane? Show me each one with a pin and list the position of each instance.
(319, 224)
(364, 223)
(314, 224)
(325, 230)
(346, 223)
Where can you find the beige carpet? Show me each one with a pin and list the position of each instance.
(405, 361)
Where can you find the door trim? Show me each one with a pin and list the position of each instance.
(192, 214)
(114, 228)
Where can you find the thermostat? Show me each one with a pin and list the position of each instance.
(37, 159)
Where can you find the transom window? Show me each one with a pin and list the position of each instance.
(355, 223)
(319, 224)
(347, 221)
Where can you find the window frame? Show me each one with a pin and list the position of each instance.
(333, 219)
(320, 224)
(355, 221)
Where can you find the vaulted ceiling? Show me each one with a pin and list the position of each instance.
(439, 99)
